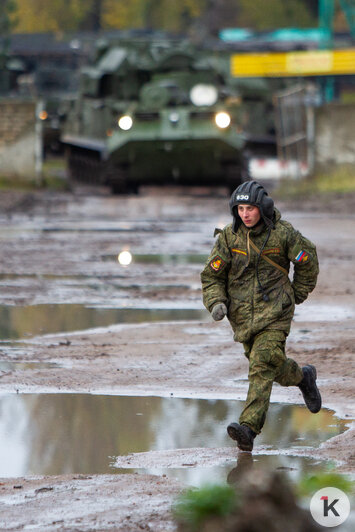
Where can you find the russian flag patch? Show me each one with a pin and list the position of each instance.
(301, 257)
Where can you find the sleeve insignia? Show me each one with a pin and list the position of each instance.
(272, 251)
(301, 257)
(240, 251)
(216, 263)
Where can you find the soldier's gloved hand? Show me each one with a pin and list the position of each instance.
(219, 311)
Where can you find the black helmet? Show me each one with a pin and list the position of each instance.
(251, 193)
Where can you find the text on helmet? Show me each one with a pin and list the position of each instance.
(242, 197)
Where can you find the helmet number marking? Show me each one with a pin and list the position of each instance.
(242, 197)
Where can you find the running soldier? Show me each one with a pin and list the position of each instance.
(246, 279)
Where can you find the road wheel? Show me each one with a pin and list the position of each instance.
(117, 178)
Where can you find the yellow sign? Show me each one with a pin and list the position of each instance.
(312, 63)
(301, 62)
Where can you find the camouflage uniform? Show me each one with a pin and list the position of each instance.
(230, 276)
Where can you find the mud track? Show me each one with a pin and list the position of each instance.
(44, 235)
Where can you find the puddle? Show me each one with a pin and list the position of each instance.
(147, 226)
(53, 434)
(20, 322)
(91, 281)
(165, 258)
(313, 313)
(17, 276)
(13, 366)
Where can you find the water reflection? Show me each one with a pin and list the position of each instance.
(162, 258)
(203, 424)
(243, 465)
(52, 434)
(71, 433)
(19, 322)
(294, 467)
(13, 366)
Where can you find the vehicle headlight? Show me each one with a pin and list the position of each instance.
(174, 117)
(43, 115)
(125, 122)
(222, 119)
(202, 94)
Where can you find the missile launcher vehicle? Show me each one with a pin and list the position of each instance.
(154, 113)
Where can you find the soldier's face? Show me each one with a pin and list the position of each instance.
(250, 214)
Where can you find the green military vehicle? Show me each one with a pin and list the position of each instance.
(10, 69)
(156, 113)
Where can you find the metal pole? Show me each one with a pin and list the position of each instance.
(39, 142)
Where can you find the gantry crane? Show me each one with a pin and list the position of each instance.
(326, 15)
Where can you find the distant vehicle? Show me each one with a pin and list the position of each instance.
(54, 86)
(154, 113)
(50, 66)
(10, 70)
(157, 113)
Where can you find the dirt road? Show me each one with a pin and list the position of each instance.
(62, 249)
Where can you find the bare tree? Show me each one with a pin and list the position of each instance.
(220, 14)
(93, 19)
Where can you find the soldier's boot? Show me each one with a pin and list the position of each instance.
(309, 389)
(243, 435)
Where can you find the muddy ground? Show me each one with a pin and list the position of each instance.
(49, 238)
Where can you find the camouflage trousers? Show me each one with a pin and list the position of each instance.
(267, 363)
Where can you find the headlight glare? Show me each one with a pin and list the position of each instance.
(203, 94)
(125, 122)
(43, 115)
(222, 119)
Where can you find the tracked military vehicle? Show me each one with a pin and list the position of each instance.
(155, 113)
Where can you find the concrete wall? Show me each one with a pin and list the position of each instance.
(18, 139)
(335, 134)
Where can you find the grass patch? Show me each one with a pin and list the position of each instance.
(54, 183)
(310, 484)
(195, 506)
(338, 181)
(223, 507)
(10, 183)
(54, 174)
(53, 178)
(28, 185)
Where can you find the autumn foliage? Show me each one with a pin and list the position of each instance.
(34, 16)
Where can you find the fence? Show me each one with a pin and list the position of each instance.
(294, 121)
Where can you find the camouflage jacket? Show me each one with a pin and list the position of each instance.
(232, 270)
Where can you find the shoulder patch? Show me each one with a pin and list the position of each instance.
(216, 263)
(301, 256)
